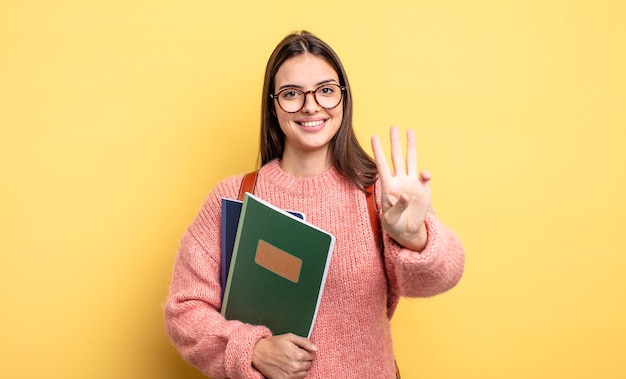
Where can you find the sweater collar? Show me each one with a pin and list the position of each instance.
(279, 178)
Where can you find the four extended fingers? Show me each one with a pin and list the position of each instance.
(397, 158)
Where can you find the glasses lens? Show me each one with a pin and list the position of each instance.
(327, 96)
(291, 100)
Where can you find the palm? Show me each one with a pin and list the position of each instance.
(405, 192)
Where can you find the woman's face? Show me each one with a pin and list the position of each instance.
(309, 130)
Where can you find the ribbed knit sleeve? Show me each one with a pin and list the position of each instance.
(434, 270)
(218, 348)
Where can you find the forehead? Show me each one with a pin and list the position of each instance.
(305, 70)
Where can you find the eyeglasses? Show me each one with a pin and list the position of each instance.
(292, 100)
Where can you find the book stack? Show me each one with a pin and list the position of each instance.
(274, 266)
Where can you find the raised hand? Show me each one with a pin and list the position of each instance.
(286, 356)
(405, 194)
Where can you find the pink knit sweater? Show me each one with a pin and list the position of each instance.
(352, 329)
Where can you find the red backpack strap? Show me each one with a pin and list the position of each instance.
(247, 184)
(392, 298)
(373, 212)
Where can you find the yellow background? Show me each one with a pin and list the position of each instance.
(118, 117)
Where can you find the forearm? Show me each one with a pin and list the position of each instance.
(435, 269)
(217, 347)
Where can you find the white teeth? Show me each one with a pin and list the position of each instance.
(310, 124)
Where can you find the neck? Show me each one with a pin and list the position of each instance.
(305, 165)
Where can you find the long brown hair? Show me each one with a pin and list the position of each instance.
(348, 156)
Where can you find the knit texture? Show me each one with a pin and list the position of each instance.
(352, 329)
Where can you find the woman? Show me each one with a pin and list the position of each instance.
(312, 162)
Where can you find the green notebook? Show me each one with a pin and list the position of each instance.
(278, 269)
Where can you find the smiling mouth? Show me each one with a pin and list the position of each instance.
(311, 124)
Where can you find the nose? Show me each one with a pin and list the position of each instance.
(310, 103)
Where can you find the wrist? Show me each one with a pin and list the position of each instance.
(257, 353)
(417, 242)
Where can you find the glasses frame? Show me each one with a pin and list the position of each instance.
(342, 89)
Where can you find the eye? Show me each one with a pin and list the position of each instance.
(328, 90)
(290, 94)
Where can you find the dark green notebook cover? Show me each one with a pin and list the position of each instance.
(278, 269)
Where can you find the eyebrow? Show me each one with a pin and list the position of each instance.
(300, 87)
